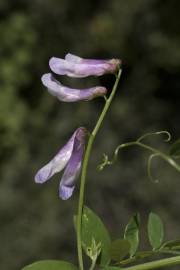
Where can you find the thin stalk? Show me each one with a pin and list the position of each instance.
(151, 253)
(93, 265)
(84, 168)
(156, 264)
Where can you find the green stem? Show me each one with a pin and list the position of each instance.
(84, 168)
(148, 254)
(93, 265)
(156, 264)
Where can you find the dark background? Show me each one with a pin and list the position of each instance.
(34, 223)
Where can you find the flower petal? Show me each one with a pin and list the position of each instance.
(73, 167)
(60, 66)
(67, 94)
(57, 163)
(73, 58)
(78, 60)
(75, 66)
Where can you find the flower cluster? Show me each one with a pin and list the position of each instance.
(70, 156)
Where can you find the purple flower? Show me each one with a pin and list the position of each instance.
(67, 94)
(70, 156)
(75, 66)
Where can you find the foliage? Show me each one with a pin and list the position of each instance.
(132, 234)
(94, 230)
(50, 265)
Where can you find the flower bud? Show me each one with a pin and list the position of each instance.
(75, 66)
(66, 94)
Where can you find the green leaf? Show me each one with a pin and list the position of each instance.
(155, 231)
(50, 265)
(132, 233)
(93, 228)
(119, 249)
(174, 244)
(175, 149)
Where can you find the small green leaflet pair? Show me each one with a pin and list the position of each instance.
(96, 240)
(98, 246)
(124, 251)
(129, 244)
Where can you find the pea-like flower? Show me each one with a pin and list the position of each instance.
(75, 66)
(67, 94)
(70, 156)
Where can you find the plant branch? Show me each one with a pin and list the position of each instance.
(140, 256)
(84, 168)
(156, 264)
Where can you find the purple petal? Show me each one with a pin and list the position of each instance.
(78, 60)
(73, 58)
(67, 94)
(75, 66)
(57, 163)
(73, 167)
(60, 66)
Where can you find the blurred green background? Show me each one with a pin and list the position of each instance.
(34, 223)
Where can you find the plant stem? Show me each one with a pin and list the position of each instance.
(84, 168)
(93, 265)
(156, 264)
(149, 253)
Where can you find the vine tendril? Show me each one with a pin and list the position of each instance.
(149, 170)
(155, 153)
(163, 132)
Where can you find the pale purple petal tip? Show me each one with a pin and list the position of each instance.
(59, 66)
(51, 83)
(43, 174)
(65, 192)
(46, 78)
